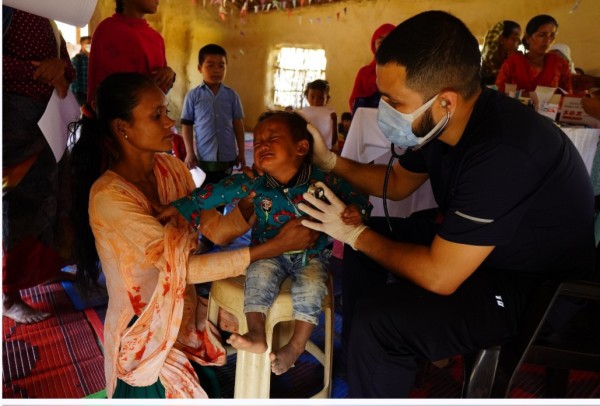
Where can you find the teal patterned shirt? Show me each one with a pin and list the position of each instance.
(274, 204)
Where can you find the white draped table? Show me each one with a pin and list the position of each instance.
(586, 142)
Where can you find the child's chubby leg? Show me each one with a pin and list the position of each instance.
(309, 287)
(254, 340)
(263, 278)
(285, 357)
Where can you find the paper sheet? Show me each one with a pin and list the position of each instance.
(198, 175)
(55, 121)
(72, 12)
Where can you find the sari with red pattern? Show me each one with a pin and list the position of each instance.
(149, 272)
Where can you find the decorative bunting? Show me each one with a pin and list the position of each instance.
(572, 10)
(267, 6)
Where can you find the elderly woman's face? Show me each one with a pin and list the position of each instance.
(541, 40)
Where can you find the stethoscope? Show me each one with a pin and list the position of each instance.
(396, 155)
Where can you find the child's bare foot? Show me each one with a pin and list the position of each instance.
(251, 342)
(16, 309)
(284, 358)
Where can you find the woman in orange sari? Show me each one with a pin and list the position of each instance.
(153, 330)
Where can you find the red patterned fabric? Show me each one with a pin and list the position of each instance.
(30, 38)
(55, 358)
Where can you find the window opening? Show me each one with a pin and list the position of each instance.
(294, 68)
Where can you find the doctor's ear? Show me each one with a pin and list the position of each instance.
(448, 100)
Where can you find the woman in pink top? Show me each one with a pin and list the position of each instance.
(537, 67)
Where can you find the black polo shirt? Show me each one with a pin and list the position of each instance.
(515, 181)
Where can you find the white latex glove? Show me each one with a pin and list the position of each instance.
(330, 217)
(322, 156)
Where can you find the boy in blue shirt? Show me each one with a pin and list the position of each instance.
(211, 119)
(282, 150)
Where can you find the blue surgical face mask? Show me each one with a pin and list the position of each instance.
(397, 127)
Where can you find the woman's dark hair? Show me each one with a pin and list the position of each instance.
(296, 123)
(120, 7)
(509, 27)
(318, 84)
(437, 50)
(93, 153)
(534, 24)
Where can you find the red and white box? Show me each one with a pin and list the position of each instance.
(571, 112)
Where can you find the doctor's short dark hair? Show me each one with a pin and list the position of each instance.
(437, 50)
(296, 123)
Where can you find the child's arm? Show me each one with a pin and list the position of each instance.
(352, 216)
(191, 160)
(229, 190)
(238, 129)
(349, 195)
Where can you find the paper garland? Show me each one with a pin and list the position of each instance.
(226, 7)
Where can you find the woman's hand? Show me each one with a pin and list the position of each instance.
(48, 70)
(249, 172)
(164, 78)
(51, 71)
(191, 161)
(293, 236)
(591, 105)
(165, 213)
(246, 206)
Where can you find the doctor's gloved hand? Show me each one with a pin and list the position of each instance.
(329, 217)
(322, 156)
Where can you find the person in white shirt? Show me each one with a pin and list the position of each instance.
(318, 114)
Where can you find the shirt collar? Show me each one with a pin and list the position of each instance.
(301, 177)
(204, 85)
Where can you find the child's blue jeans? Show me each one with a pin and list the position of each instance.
(309, 284)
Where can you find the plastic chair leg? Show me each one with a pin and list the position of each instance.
(483, 374)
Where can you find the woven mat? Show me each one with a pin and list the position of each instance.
(55, 358)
